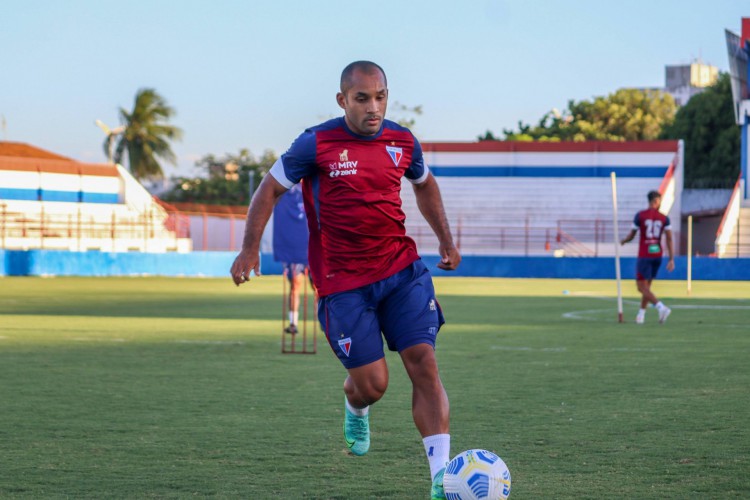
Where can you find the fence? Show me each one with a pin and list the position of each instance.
(568, 237)
(215, 228)
(94, 229)
(176, 230)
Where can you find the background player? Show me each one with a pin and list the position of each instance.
(370, 279)
(290, 235)
(652, 224)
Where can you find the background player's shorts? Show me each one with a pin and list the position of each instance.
(293, 269)
(403, 307)
(647, 268)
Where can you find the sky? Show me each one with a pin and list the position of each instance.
(254, 74)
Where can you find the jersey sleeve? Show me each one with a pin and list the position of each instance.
(637, 222)
(298, 162)
(667, 224)
(417, 171)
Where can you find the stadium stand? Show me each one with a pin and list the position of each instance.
(48, 201)
(733, 235)
(516, 198)
(502, 198)
(507, 198)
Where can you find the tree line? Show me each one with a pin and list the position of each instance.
(706, 124)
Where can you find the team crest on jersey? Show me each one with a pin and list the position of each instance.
(346, 345)
(395, 154)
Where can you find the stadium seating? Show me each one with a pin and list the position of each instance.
(501, 198)
(733, 236)
(51, 202)
(544, 198)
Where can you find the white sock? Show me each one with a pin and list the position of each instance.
(438, 450)
(293, 317)
(360, 412)
(659, 305)
(641, 312)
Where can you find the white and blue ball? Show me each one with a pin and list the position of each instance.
(476, 475)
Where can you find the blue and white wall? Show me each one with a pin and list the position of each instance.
(51, 202)
(217, 264)
(27, 179)
(496, 184)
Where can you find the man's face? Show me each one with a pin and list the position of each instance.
(364, 102)
(656, 203)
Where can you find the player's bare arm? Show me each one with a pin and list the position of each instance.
(430, 203)
(260, 210)
(670, 264)
(629, 237)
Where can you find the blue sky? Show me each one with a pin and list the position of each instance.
(254, 74)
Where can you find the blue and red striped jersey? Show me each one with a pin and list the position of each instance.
(651, 224)
(352, 200)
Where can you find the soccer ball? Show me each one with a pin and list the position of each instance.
(475, 475)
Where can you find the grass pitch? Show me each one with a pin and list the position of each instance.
(176, 388)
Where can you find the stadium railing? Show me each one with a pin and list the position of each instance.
(83, 227)
(213, 227)
(733, 235)
(568, 237)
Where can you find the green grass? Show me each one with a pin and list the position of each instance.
(176, 388)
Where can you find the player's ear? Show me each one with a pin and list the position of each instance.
(341, 99)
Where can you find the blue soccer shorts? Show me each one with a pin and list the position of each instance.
(401, 308)
(647, 268)
(293, 269)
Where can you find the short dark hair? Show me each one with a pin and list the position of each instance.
(368, 67)
(652, 195)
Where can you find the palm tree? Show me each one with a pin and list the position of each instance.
(146, 135)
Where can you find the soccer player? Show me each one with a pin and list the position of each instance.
(290, 236)
(652, 224)
(370, 279)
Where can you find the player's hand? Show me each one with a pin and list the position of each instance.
(450, 257)
(243, 264)
(670, 265)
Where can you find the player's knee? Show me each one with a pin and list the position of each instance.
(369, 394)
(370, 389)
(373, 395)
(375, 388)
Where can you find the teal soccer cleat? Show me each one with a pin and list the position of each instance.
(357, 432)
(437, 492)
